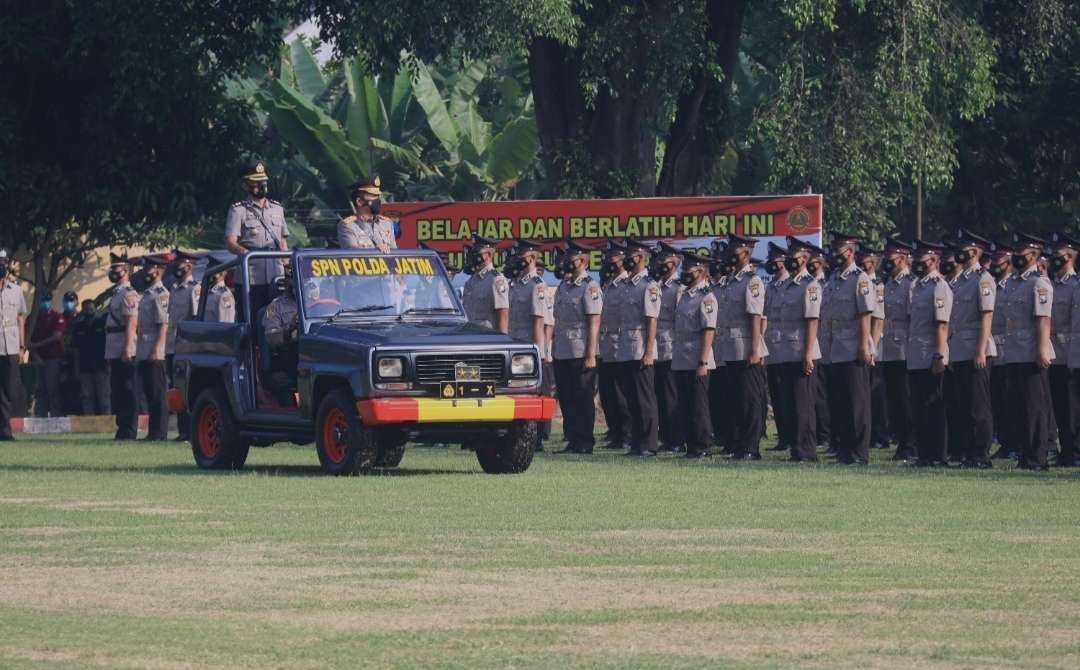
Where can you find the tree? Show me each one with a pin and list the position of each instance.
(114, 123)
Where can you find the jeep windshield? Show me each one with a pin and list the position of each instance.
(375, 286)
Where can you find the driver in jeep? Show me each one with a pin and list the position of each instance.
(281, 324)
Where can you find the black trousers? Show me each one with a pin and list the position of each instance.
(954, 429)
(970, 417)
(749, 386)
(122, 386)
(720, 407)
(637, 382)
(898, 396)
(1027, 401)
(547, 387)
(1065, 394)
(822, 415)
(9, 390)
(613, 403)
(576, 385)
(798, 393)
(779, 400)
(879, 408)
(928, 414)
(1004, 420)
(1051, 420)
(849, 405)
(694, 397)
(153, 378)
(183, 419)
(670, 412)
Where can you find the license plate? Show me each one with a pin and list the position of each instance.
(466, 373)
(455, 390)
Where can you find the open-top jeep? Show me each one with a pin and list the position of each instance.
(384, 356)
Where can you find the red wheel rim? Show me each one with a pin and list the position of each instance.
(210, 431)
(336, 435)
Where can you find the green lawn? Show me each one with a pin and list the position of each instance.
(125, 555)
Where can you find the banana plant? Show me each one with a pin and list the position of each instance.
(402, 127)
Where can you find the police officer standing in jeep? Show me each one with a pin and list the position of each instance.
(257, 223)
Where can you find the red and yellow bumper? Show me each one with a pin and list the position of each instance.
(436, 410)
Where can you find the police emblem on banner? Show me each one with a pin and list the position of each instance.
(798, 218)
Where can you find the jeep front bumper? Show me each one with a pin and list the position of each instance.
(380, 411)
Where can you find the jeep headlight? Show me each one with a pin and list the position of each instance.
(523, 365)
(391, 367)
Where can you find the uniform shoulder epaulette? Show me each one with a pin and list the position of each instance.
(238, 203)
(537, 280)
(275, 202)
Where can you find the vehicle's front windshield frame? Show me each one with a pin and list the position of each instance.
(440, 275)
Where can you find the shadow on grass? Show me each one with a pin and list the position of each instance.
(266, 470)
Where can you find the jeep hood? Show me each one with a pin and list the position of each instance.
(412, 333)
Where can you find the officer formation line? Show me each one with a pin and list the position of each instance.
(936, 347)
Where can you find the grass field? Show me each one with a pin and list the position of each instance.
(125, 555)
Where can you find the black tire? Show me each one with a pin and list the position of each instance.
(215, 438)
(509, 455)
(345, 446)
(390, 453)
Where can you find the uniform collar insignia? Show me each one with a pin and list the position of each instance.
(482, 272)
(1027, 273)
(933, 276)
(849, 270)
(969, 271)
(578, 281)
(804, 275)
(671, 280)
(1068, 277)
(746, 269)
(528, 279)
(903, 273)
(636, 279)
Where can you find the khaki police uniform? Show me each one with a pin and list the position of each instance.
(279, 323)
(640, 303)
(741, 298)
(366, 233)
(695, 314)
(879, 405)
(781, 413)
(668, 408)
(720, 402)
(793, 303)
(974, 294)
(612, 400)
(1028, 297)
(183, 305)
(893, 361)
(848, 296)
(1004, 421)
(1064, 385)
(484, 294)
(150, 354)
(220, 305)
(576, 300)
(123, 306)
(931, 304)
(528, 302)
(259, 229)
(12, 308)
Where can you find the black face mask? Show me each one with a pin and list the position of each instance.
(947, 267)
(114, 276)
(888, 266)
(962, 256)
(375, 205)
(686, 278)
(1057, 263)
(629, 263)
(792, 265)
(660, 272)
(257, 190)
(772, 267)
(180, 272)
(813, 267)
(920, 268)
(1020, 262)
(997, 271)
(608, 271)
(836, 262)
(514, 267)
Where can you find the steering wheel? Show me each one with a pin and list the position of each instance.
(325, 301)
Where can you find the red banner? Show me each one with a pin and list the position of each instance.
(447, 226)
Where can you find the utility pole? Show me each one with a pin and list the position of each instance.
(918, 208)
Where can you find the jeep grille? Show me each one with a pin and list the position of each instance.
(434, 368)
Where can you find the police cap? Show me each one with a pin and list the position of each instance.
(924, 247)
(480, 243)
(1063, 241)
(738, 242)
(691, 259)
(895, 246)
(575, 249)
(256, 172)
(665, 250)
(370, 185)
(840, 240)
(777, 251)
(966, 238)
(1022, 242)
